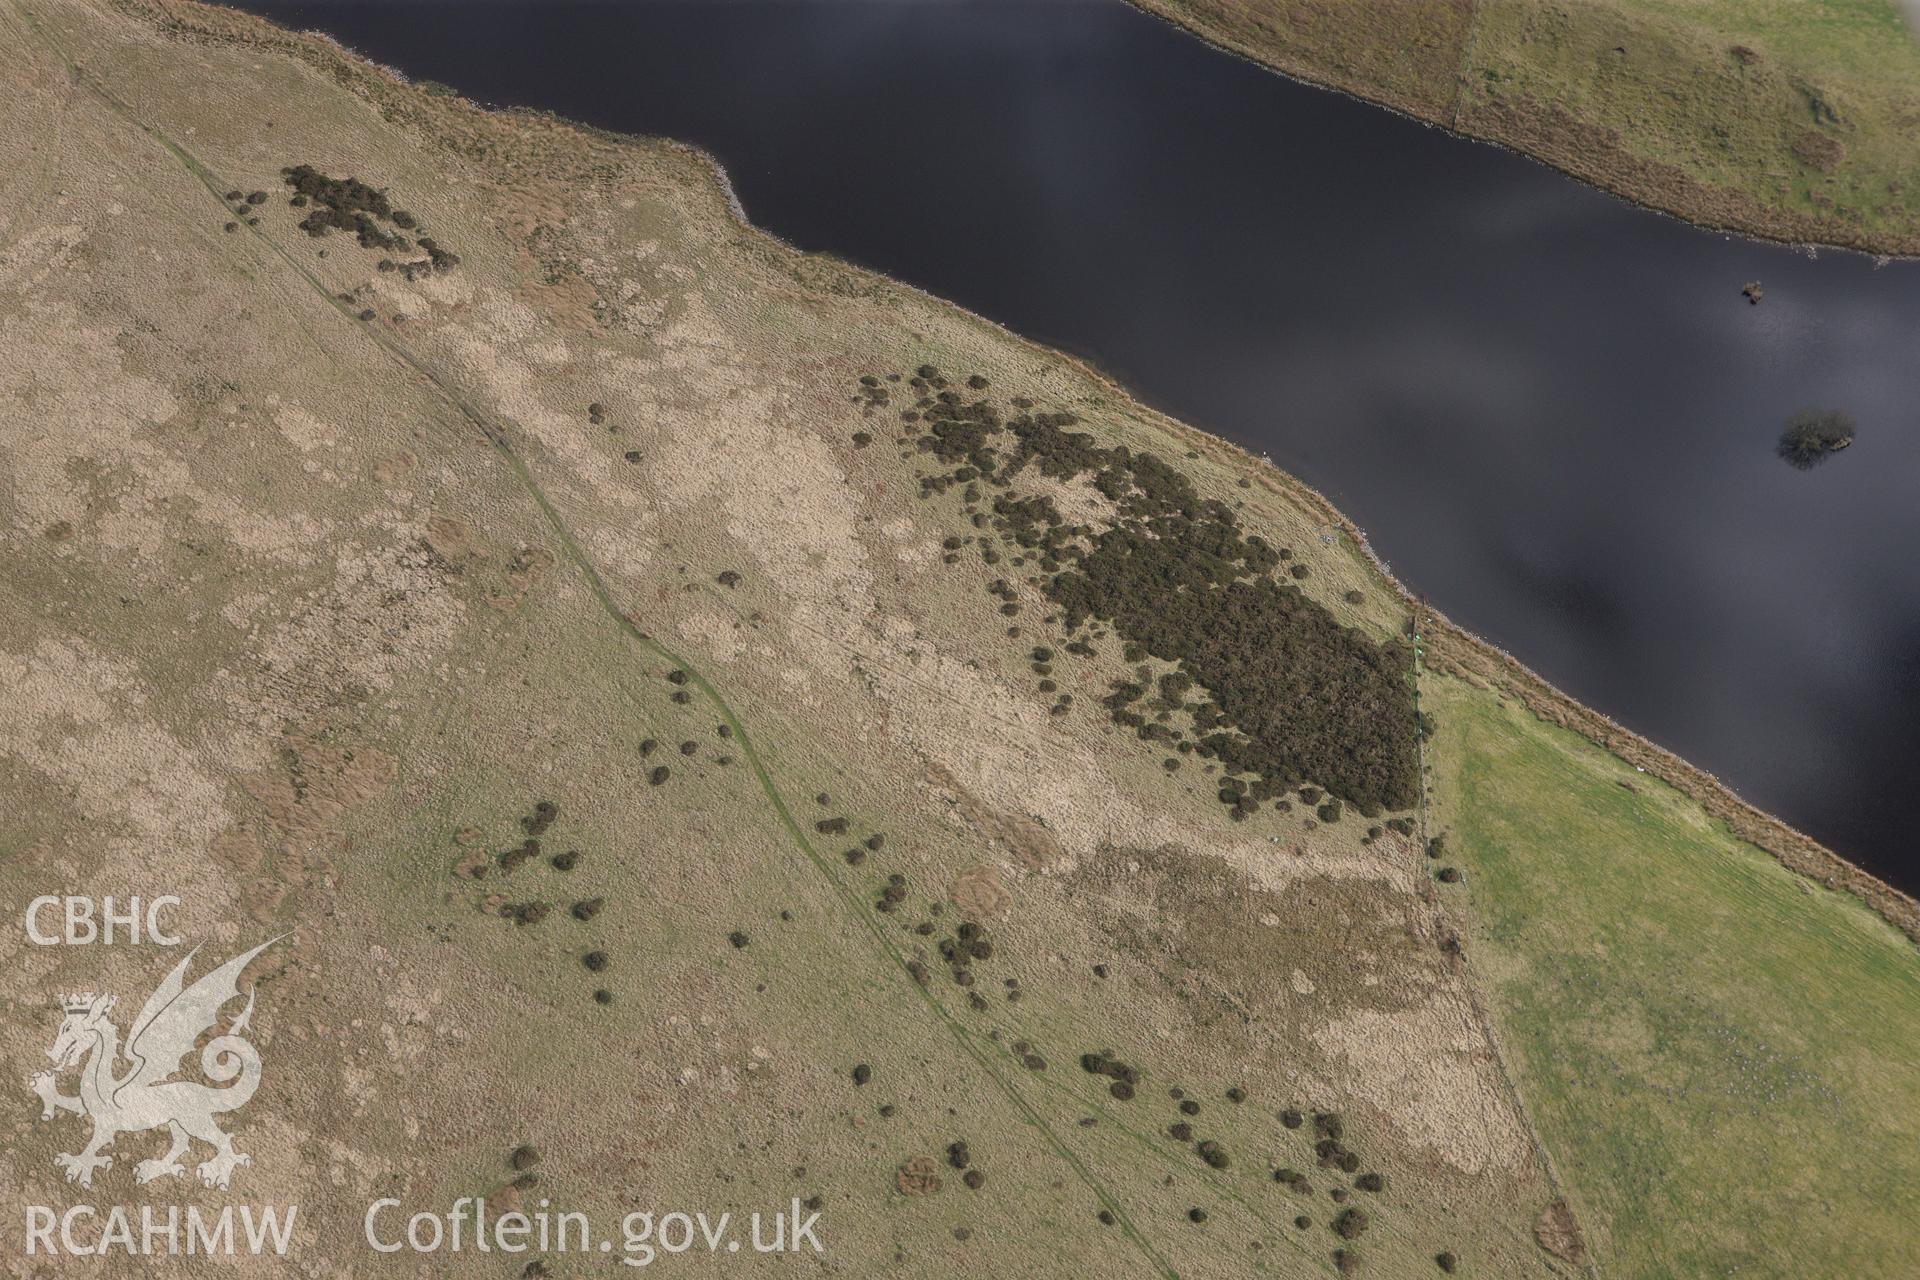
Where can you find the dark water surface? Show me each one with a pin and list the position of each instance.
(1553, 414)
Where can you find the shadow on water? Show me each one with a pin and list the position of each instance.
(1554, 414)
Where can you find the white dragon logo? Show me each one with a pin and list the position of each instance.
(143, 1098)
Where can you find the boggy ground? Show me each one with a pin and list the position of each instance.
(326, 578)
(1791, 122)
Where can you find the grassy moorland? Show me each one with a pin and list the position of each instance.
(1718, 1054)
(687, 704)
(748, 731)
(1792, 121)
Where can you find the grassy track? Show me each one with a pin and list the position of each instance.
(1720, 1056)
(498, 436)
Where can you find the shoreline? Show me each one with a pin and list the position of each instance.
(1466, 654)
(1810, 244)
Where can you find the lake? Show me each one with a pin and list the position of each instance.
(1553, 414)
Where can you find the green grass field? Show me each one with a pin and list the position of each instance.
(1720, 1056)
